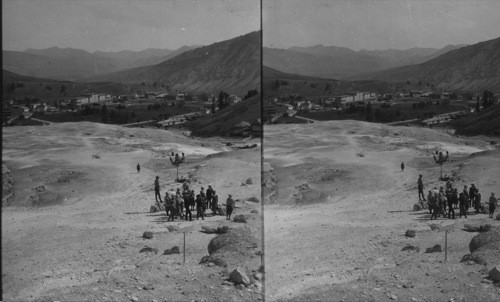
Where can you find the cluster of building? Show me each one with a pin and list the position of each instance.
(90, 99)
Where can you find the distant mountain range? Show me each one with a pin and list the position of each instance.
(474, 67)
(232, 65)
(338, 62)
(73, 64)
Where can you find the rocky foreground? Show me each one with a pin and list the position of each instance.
(340, 223)
(78, 227)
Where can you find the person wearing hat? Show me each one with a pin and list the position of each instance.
(210, 193)
(157, 189)
(420, 188)
(199, 207)
(492, 204)
(472, 195)
(229, 206)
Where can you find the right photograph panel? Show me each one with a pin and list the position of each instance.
(381, 150)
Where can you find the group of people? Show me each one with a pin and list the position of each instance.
(444, 202)
(180, 204)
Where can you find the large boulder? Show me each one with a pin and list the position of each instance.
(147, 235)
(238, 276)
(491, 236)
(235, 245)
(486, 254)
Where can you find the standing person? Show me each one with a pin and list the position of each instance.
(472, 195)
(493, 204)
(138, 168)
(204, 197)
(463, 205)
(451, 211)
(229, 206)
(167, 203)
(192, 196)
(215, 203)
(157, 189)
(430, 201)
(420, 188)
(187, 205)
(466, 195)
(402, 166)
(179, 203)
(455, 197)
(210, 193)
(442, 201)
(172, 208)
(477, 201)
(434, 204)
(199, 207)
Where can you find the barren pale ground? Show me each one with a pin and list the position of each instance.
(338, 206)
(74, 228)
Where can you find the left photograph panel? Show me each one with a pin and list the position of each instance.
(131, 151)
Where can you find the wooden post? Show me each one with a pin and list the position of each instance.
(184, 231)
(445, 245)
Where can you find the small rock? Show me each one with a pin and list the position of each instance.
(210, 264)
(147, 235)
(258, 276)
(434, 226)
(238, 276)
(240, 286)
(434, 249)
(254, 212)
(174, 250)
(134, 299)
(172, 228)
(410, 233)
(495, 273)
(148, 249)
(410, 247)
(227, 283)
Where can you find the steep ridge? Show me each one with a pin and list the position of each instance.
(468, 68)
(232, 65)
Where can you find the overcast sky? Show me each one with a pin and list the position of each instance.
(111, 25)
(382, 24)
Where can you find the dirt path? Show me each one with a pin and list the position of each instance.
(339, 247)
